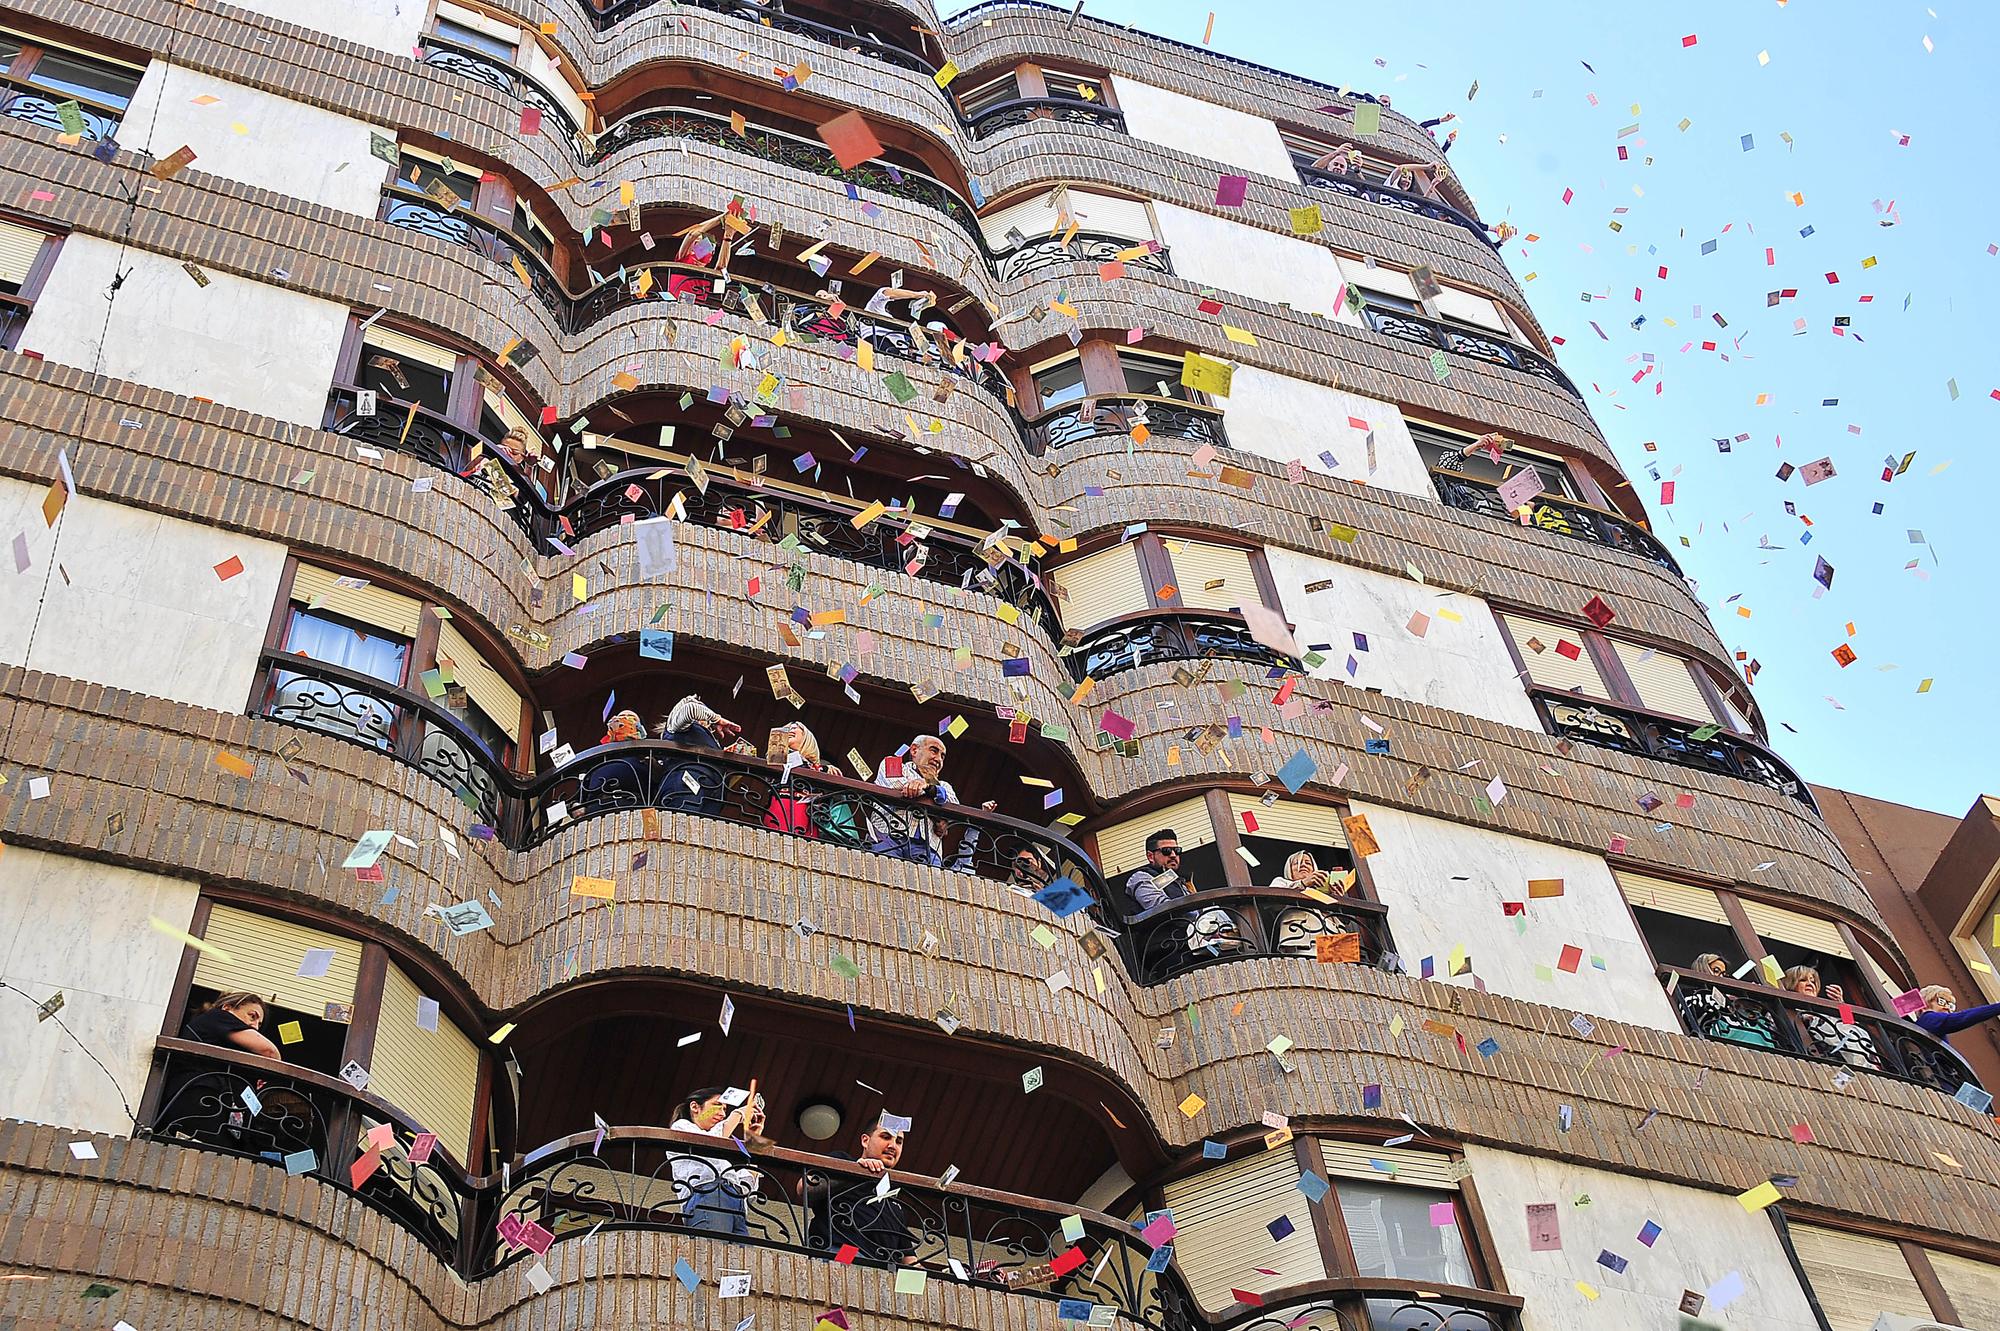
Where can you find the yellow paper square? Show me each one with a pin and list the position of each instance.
(1044, 935)
(946, 73)
(1239, 335)
(1586, 1289)
(1193, 1105)
(1205, 374)
(601, 888)
(912, 1280)
(290, 1032)
(1758, 1197)
(578, 587)
(1008, 613)
(957, 727)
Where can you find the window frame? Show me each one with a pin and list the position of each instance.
(470, 375)
(1227, 833)
(1427, 436)
(1156, 566)
(18, 306)
(1070, 79)
(19, 75)
(976, 100)
(1622, 692)
(1916, 1249)
(1965, 936)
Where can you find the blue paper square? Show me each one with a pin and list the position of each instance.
(685, 1274)
(1064, 897)
(1371, 1096)
(657, 644)
(1161, 1256)
(1974, 1098)
(1014, 667)
(1214, 1150)
(1280, 1227)
(1611, 1261)
(1360, 642)
(1298, 770)
(301, 1162)
(1648, 1233)
(1488, 1047)
(1378, 745)
(1073, 1310)
(1314, 1187)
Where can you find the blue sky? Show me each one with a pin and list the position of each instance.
(1845, 79)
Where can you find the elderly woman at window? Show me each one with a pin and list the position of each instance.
(1714, 1013)
(1303, 874)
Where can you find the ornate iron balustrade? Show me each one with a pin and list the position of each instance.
(223, 1099)
(1388, 196)
(443, 53)
(1669, 739)
(819, 520)
(23, 101)
(416, 212)
(1235, 924)
(1467, 342)
(1360, 1304)
(1037, 253)
(782, 149)
(1022, 110)
(1168, 635)
(1735, 1012)
(779, 21)
(1547, 512)
(1114, 415)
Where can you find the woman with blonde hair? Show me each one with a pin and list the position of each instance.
(791, 806)
(232, 1019)
(1716, 1014)
(1825, 1033)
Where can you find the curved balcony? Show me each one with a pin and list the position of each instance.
(1024, 110)
(1236, 924)
(1464, 341)
(1368, 191)
(23, 101)
(778, 21)
(1115, 415)
(1168, 635)
(1735, 1012)
(469, 62)
(938, 550)
(1670, 739)
(1565, 517)
(220, 1099)
(1039, 252)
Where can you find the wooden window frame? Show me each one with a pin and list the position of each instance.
(1011, 77)
(1619, 684)
(1579, 485)
(469, 372)
(20, 307)
(1228, 833)
(1107, 95)
(21, 73)
(423, 653)
(1909, 1241)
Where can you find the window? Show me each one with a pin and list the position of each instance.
(405, 369)
(1394, 1237)
(1121, 847)
(1284, 827)
(1977, 936)
(531, 232)
(461, 34)
(1059, 381)
(1156, 376)
(986, 96)
(25, 254)
(1153, 572)
(425, 173)
(258, 954)
(1075, 87)
(39, 80)
(1444, 449)
(1562, 659)
(1857, 1278)
(1678, 921)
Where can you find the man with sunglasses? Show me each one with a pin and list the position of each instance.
(1160, 881)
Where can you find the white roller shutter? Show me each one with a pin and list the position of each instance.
(1290, 820)
(1418, 1169)
(1856, 1279)
(1788, 926)
(1221, 1219)
(433, 1076)
(1665, 682)
(1661, 894)
(1121, 847)
(1101, 586)
(1549, 668)
(490, 693)
(404, 347)
(1213, 577)
(1465, 307)
(264, 959)
(315, 587)
(1974, 1287)
(1040, 214)
(19, 246)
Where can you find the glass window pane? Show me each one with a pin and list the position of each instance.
(1004, 89)
(81, 77)
(405, 381)
(10, 49)
(1070, 87)
(1155, 378)
(1393, 1238)
(322, 637)
(417, 173)
(1060, 383)
(461, 35)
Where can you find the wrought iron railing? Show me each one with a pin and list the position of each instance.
(1376, 1305)
(1352, 186)
(310, 1124)
(23, 101)
(1565, 517)
(1114, 415)
(14, 314)
(1022, 110)
(1464, 341)
(936, 551)
(1168, 635)
(1671, 739)
(1735, 1012)
(469, 62)
(773, 17)
(1039, 252)
(1235, 924)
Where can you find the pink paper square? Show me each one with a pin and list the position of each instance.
(1231, 190)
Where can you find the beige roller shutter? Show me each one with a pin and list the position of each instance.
(510, 415)
(1102, 586)
(1549, 668)
(1974, 1287)
(315, 587)
(478, 21)
(1419, 1169)
(1121, 847)
(1694, 903)
(264, 959)
(1290, 820)
(433, 1076)
(1788, 926)
(1665, 682)
(1220, 1221)
(490, 693)
(1041, 214)
(1213, 577)
(404, 347)
(1857, 1279)
(19, 246)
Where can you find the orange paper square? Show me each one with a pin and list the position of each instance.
(851, 140)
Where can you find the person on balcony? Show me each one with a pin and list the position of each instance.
(912, 834)
(1825, 1033)
(715, 1191)
(1303, 874)
(623, 726)
(1160, 881)
(791, 806)
(696, 725)
(1029, 870)
(1941, 1015)
(1716, 1014)
(865, 1215)
(232, 1019)
(1342, 161)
